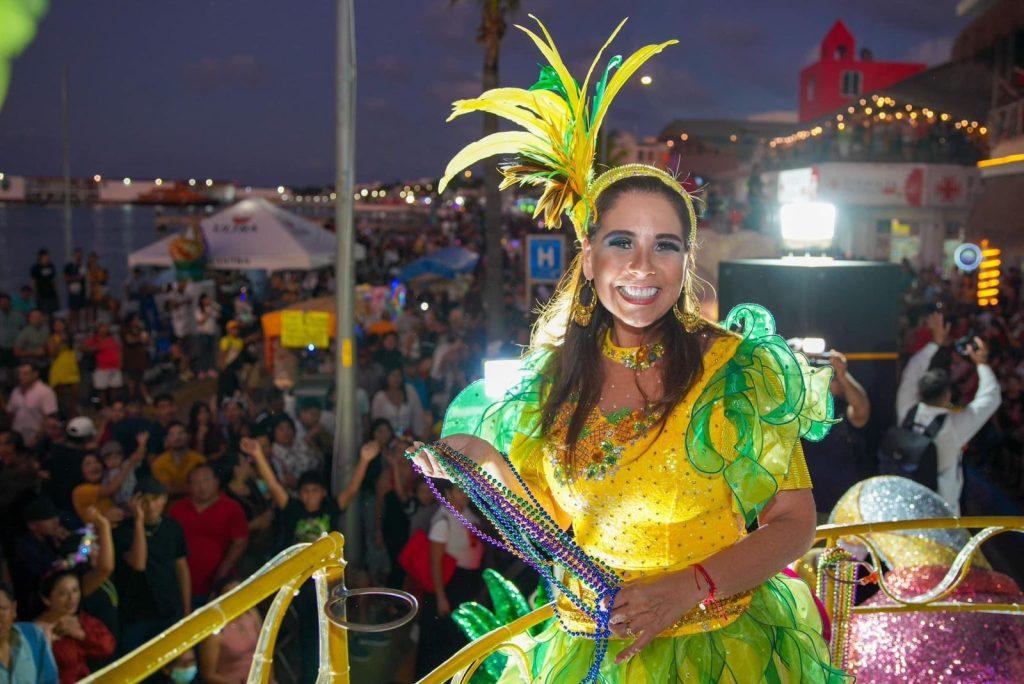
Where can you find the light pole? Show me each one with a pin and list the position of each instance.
(345, 424)
(65, 112)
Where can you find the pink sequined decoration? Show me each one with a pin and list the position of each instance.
(940, 647)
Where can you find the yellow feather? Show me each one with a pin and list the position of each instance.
(619, 78)
(550, 53)
(505, 110)
(505, 142)
(544, 103)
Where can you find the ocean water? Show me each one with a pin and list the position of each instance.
(112, 231)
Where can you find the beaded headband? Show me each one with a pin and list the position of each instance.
(618, 173)
(560, 122)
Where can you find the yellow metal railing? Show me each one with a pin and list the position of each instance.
(322, 560)
(461, 666)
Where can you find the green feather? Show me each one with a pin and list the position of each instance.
(613, 63)
(549, 80)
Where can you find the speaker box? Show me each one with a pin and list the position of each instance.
(854, 305)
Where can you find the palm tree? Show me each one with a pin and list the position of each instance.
(492, 29)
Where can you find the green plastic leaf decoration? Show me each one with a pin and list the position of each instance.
(474, 620)
(509, 603)
(18, 20)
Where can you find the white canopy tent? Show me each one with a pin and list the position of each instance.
(253, 234)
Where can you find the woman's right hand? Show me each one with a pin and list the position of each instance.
(475, 448)
(69, 626)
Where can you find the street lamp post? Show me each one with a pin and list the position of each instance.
(345, 425)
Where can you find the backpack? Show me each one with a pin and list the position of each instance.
(912, 454)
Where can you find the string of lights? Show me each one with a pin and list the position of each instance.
(881, 109)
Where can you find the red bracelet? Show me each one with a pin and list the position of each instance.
(710, 603)
(699, 569)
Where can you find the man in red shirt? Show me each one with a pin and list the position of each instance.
(107, 378)
(216, 532)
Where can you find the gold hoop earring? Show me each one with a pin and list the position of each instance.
(582, 313)
(689, 315)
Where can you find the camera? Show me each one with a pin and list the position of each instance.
(965, 345)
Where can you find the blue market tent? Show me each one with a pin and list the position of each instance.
(444, 263)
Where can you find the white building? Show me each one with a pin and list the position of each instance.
(887, 212)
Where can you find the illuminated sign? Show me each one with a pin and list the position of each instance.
(988, 275)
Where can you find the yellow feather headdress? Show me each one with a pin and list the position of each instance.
(556, 148)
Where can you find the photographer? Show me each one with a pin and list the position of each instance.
(837, 461)
(930, 391)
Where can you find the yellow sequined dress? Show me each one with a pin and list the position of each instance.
(645, 502)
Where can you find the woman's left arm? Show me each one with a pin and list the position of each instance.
(648, 607)
(104, 566)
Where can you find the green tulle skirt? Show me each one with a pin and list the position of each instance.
(777, 640)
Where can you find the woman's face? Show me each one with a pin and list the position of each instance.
(113, 459)
(203, 414)
(59, 326)
(65, 597)
(92, 469)
(637, 259)
(8, 609)
(383, 434)
(284, 433)
(395, 380)
(423, 493)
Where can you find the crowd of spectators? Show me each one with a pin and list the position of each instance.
(181, 492)
(146, 429)
(997, 449)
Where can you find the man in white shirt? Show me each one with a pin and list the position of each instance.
(31, 401)
(931, 392)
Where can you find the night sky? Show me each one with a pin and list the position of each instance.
(243, 90)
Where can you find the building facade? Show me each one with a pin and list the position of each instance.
(841, 75)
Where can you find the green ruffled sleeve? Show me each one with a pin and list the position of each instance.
(748, 421)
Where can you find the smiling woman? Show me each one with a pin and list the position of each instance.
(657, 437)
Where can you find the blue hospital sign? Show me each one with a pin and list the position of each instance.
(545, 257)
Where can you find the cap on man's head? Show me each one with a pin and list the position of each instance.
(40, 508)
(150, 485)
(81, 428)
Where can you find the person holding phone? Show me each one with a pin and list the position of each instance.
(930, 391)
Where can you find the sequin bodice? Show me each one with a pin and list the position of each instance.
(652, 511)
